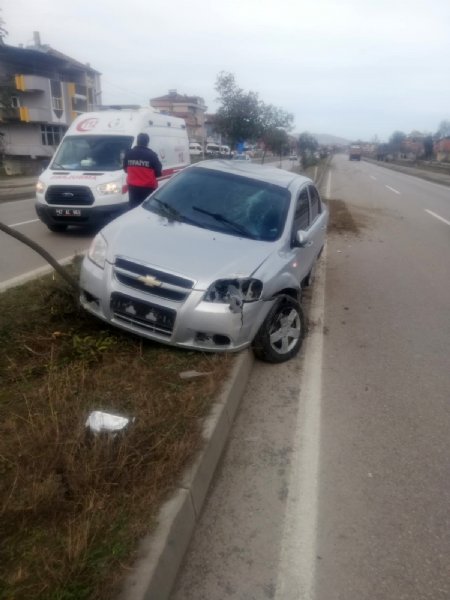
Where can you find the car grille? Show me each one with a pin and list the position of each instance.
(147, 316)
(64, 195)
(152, 281)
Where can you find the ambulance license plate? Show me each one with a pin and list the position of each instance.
(68, 212)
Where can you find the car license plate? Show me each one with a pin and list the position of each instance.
(143, 311)
(67, 212)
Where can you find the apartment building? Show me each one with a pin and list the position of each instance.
(190, 108)
(41, 93)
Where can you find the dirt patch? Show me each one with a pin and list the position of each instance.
(345, 219)
(72, 505)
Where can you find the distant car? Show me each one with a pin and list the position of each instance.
(241, 157)
(213, 261)
(293, 157)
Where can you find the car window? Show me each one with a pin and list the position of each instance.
(315, 202)
(301, 218)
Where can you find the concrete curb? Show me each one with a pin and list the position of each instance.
(161, 553)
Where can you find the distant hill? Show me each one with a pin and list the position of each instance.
(330, 140)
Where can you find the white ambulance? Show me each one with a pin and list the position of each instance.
(85, 184)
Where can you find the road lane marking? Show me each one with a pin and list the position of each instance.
(296, 571)
(392, 189)
(433, 214)
(373, 177)
(24, 223)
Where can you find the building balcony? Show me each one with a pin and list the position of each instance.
(32, 83)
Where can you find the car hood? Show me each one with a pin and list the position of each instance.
(199, 254)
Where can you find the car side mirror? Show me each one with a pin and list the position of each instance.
(302, 238)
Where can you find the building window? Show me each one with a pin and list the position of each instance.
(57, 100)
(52, 134)
(57, 103)
(15, 102)
(79, 99)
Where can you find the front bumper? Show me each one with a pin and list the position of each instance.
(86, 216)
(196, 324)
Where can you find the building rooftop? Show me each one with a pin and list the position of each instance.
(42, 55)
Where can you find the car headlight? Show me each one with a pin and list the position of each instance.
(97, 251)
(112, 187)
(40, 187)
(234, 292)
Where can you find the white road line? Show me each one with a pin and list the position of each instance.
(392, 189)
(298, 556)
(328, 191)
(24, 223)
(433, 214)
(373, 177)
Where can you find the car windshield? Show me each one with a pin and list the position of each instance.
(92, 152)
(223, 202)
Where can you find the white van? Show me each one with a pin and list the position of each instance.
(85, 183)
(195, 149)
(212, 150)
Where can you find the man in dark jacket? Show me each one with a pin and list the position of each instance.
(142, 167)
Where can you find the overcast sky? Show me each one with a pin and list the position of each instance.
(355, 69)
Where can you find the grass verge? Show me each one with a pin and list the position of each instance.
(72, 505)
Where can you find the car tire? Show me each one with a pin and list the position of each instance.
(309, 279)
(56, 227)
(281, 335)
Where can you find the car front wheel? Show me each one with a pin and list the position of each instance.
(281, 335)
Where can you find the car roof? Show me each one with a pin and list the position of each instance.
(266, 173)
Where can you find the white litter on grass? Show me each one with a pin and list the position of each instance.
(99, 421)
(193, 374)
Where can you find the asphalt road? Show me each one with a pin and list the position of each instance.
(336, 481)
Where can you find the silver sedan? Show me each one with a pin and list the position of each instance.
(215, 260)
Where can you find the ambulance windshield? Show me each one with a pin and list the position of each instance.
(92, 153)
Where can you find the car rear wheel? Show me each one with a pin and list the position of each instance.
(281, 335)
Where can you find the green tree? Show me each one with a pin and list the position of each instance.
(428, 146)
(396, 140)
(275, 139)
(242, 116)
(3, 32)
(444, 130)
(239, 116)
(306, 145)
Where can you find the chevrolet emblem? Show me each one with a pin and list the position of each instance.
(150, 281)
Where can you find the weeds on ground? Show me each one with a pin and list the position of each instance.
(72, 504)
